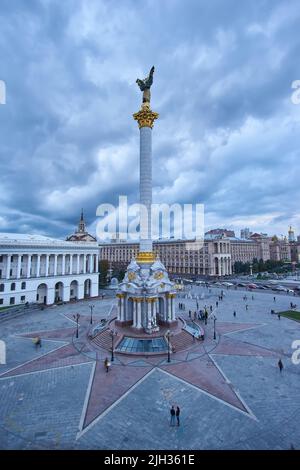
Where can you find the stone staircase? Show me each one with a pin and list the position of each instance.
(13, 312)
(103, 340)
(181, 341)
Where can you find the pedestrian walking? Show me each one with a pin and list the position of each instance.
(280, 365)
(38, 342)
(246, 307)
(278, 316)
(252, 297)
(217, 303)
(234, 313)
(178, 415)
(172, 413)
(106, 364)
(274, 298)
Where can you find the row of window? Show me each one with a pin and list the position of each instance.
(13, 286)
(12, 300)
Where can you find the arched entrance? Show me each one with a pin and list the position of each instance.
(74, 290)
(87, 288)
(41, 294)
(59, 292)
(216, 267)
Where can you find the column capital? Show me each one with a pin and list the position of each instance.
(120, 296)
(145, 116)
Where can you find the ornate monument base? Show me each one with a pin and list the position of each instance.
(146, 297)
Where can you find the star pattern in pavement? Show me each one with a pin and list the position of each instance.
(195, 366)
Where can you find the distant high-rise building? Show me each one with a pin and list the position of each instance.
(291, 235)
(245, 233)
(222, 232)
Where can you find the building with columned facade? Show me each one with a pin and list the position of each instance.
(39, 269)
(212, 259)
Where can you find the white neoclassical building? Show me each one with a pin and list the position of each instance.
(35, 268)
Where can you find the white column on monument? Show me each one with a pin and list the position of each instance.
(154, 311)
(139, 314)
(122, 309)
(169, 308)
(149, 308)
(134, 313)
(91, 264)
(84, 264)
(173, 315)
(78, 265)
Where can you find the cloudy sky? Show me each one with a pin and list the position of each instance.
(228, 134)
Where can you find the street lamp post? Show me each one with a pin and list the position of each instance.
(215, 318)
(168, 336)
(92, 308)
(76, 317)
(112, 333)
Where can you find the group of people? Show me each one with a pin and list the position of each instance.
(201, 315)
(181, 306)
(175, 414)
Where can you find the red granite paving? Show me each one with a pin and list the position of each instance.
(239, 348)
(107, 387)
(203, 373)
(62, 357)
(228, 327)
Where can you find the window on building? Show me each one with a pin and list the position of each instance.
(1, 301)
(10, 272)
(23, 298)
(1, 258)
(13, 286)
(0, 273)
(23, 285)
(37, 297)
(1, 287)
(12, 301)
(22, 258)
(11, 258)
(21, 272)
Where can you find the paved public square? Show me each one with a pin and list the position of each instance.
(230, 390)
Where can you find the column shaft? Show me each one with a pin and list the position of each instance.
(28, 265)
(8, 267)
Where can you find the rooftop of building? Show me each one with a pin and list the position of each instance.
(7, 238)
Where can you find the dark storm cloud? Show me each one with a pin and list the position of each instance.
(228, 134)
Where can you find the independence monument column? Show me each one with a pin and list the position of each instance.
(146, 294)
(145, 118)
